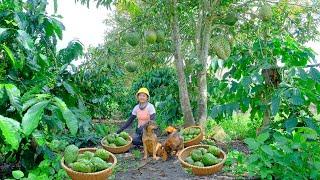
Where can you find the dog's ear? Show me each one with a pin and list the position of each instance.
(170, 129)
(147, 124)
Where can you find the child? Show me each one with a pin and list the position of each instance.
(144, 112)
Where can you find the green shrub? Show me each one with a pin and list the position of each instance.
(236, 163)
(164, 92)
(283, 156)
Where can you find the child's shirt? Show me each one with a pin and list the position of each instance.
(143, 115)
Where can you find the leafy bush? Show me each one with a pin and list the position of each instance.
(164, 92)
(48, 169)
(101, 81)
(284, 156)
(236, 163)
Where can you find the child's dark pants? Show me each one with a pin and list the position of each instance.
(137, 137)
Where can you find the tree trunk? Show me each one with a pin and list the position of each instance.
(183, 90)
(266, 121)
(266, 115)
(203, 30)
(203, 92)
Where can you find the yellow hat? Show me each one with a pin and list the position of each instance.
(143, 90)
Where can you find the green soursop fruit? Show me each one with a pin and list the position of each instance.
(88, 154)
(160, 36)
(85, 161)
(110, 138)
(209, 159)
(186, 132)
(99, 164)
(131, 66)
(124, 135)
(196, 154)
(214, 150)
(199, 164)
(221, 47)
(113, 145)
(102, 153)
(203, 150)
(265, 12)
(189, 160)
(105, 142)
(151, 36)
(196, 131)
(120, 141)
(82, 156)
(71, 153)
(231, 19)
(81, 167)
(71, 165)
(132, 38)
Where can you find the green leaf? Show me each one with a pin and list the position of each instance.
(58, 27)
(25, 40)
(307, 132)
(68, 87)
(296, 98)
(253, 158)
(291, 123)
(17, 174)
(253, 144)
(2, 30)
(44, 59)
(267, 149)
(30, 102)
(71, 120)
(263, 137)
(39, 137)
(275, 104)
(280, 139)
(10, 129)
(14, 96)
(11, 57)
(30, 120)
(311, 124)
(315, 74)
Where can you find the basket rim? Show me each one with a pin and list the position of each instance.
(118, 147)
(208, 167)
(200, 134)
(115, 161)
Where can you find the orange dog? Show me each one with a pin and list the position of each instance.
(151, 144)
(174, 143)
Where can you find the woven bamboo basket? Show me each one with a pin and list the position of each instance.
(201, 171)
(195, 140)
(119, 149)
(101, 175)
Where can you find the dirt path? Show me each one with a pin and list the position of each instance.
(131, 168)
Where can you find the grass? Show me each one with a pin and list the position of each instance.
(239, 126)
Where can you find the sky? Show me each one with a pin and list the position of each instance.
(87, 25)
(81, 23)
